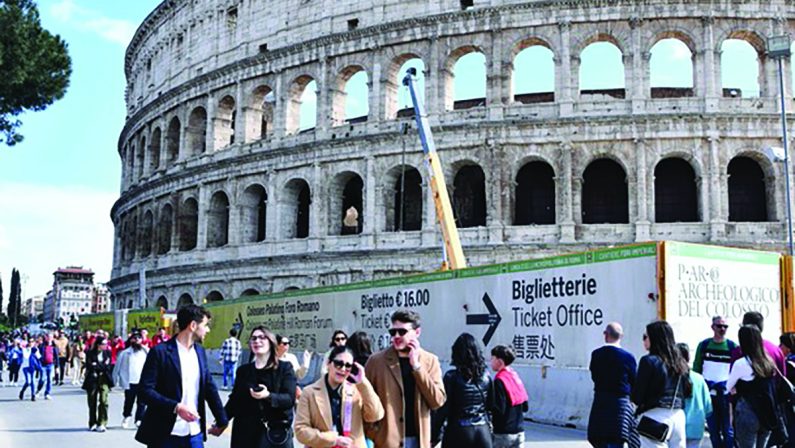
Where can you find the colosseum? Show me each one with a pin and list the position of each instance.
(243, 150)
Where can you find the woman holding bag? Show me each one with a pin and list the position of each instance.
(661, 386)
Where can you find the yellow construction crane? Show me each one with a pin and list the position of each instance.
(453, 253)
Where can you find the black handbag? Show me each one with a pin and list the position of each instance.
(275, 436)
(651, 428)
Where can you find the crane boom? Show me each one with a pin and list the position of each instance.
(444, 212)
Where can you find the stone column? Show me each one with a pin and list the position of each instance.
(430, 224)
(642, 224)
(566, 192)
(369, 208)
(163, 165)
(203, 214)
(636, 79)
(281, 95)
(325, 98)
(235, 230)
(376, 97)
(209, 147)
(494, 180)
(273, 212)
(711, 67)
(240, 114)
(147, 149)
(318, 193)
(496, 96)
(564, 72)
(434, 82)
(717, 218)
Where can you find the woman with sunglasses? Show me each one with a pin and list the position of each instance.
(470, 396)
(661, 386)
(338, 339)
(333, 410)
(262, 398)
(283, 353)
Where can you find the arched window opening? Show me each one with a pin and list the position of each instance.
(675, 192)
(406, 214)
(184, 299)
(602, 72)
(747, 191)
(250, 292)
(214, 296)
(224, 126)
(172, 140)
(348, 201)
(302, 105)
(197, 132)
(154, 158)
(126, 240)
(671, 69)
(254, 210)
(533, 75)
(259, 116)
(218, 220)
(145, 237)
(188, 224)
(351, 103)
(131, 162)
(132, 237)
(295, 206)
(468, 78)
(164, 230)
(535, 194)
(404, 107)
(469, 197)
(162, 302)
(740, 69)
(605, 199)
(141, 158)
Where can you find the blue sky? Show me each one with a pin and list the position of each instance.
(57, 187)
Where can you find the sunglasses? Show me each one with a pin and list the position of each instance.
(284, 343)
(645, 337)
(342, 364)
(338, 339)
(257, 338)
(398, 331)
(722, 327)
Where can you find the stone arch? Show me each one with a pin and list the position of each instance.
(196, 132)
(397, 99)
(127, 240)
(605, 196)
(140, 158)
(747, 190)
(132, 234)
(534, 194)
(184, 299)
(347, 190)
(404, 209)
(259, 114)
(172, 140)
(224, 123)
(154, 150)
(214, 296)
(218, 220)
(295, 208)
(672, 65)
(249, 292)
(145, 234)
(675, 191)
(455, 98)
(741, 48)
(253, 207)
(188, 224)
(469, 196)
(162, 302)
(602, 52)
(164, 226)
(351, 86)
(532, 71)
(295, 99)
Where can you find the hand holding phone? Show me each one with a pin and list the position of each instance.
(357, 373)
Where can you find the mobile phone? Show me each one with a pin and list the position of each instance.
(257, 388)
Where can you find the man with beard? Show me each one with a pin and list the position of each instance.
(127, 375)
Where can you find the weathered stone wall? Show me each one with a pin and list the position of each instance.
(192, 63)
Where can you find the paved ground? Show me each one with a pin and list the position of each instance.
(63, 421)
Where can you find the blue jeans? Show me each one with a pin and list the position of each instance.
(29, 381)
(46, 373)
(721, 433)
(229, 372)
(196, 441)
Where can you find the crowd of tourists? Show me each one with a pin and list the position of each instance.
(742, 392)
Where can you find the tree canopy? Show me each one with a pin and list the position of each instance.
(34, 66)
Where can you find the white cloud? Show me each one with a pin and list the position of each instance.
(45, 227)
(113, 30)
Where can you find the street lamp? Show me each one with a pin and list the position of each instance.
(778, 48)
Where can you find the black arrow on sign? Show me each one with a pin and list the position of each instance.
(492, 319)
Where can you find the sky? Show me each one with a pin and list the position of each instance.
(58, 186)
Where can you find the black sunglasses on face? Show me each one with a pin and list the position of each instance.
(342, 364)
(338, 339)
(722, 327)
(257, 338)
(398, 331)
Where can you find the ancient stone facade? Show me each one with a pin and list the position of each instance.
(224, 194)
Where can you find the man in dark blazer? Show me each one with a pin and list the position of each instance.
(175, 384)
(611, 423)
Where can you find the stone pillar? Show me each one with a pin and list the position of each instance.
(494, 180)
(281, 95)
(240, 112)
(711, 67)
(430, 223)
(635, 79)
(717, 217)
(316, 209)
(209, 142)
(433, 80)
(566, 193)
(375, 96)
(564, 70)
(203, 214)
(369, 208)
(235, 230)
(273, 213)
(642, 224)
(325, 99)
(496, 74)
(147, 149)
(163, 165)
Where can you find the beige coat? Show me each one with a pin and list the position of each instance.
(383, 371)
(314, 426)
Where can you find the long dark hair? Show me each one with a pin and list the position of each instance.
(468, 357)
(360, 345)
(663, 345)
(273, 361)
(754, 349)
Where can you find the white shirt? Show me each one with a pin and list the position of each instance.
(137, 360)
(189, 364)
(741, 370)
(25, 358)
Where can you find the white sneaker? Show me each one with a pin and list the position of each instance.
(137, 423)
(48, 397)
(125, 422)
(93, 428)
(102, 428)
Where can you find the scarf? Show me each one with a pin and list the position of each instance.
(513, 385)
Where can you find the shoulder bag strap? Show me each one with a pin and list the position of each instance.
(676, 391)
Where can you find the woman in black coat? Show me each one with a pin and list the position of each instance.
(263, 397)
(98, 382)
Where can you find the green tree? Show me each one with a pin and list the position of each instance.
(14, 299)
(34, 66)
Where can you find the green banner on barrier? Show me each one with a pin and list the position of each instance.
(148, 320)
(100, 321)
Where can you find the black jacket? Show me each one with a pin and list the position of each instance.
(467, 401)
(249, 413)
(507, 419)
(160, 388)
(654, 386)
(96, 370)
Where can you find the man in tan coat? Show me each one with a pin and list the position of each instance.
(408, 380)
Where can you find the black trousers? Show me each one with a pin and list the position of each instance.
(130, 398)
(466, 436)
(61, 370)
(13, 373)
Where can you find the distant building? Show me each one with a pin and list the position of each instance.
(101, 299)
(33, 307)
(72, 294)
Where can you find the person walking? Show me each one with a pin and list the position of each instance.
(408, 380)
(29, 364)
(127, 375)
(698, 407)
(712, 361)
(787, 346)
(751, 380)
(283, 354)
(338, 338)
(49, 364)
(661, 386)
(510, 400)
(160, 337)
(14, 362)
(262, 398)
(756, 319)
(97, 384)
(333, 410)
(229, 356)
(62, 342)
(470, 396)
(612, 423)
(176, 383)
(78, 354)
(116, 347)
